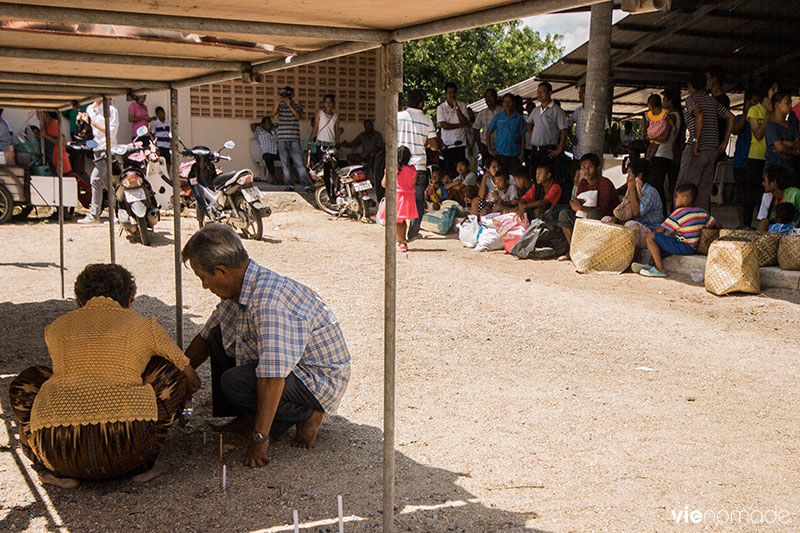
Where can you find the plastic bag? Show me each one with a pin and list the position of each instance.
(468, 231)
(380, 217)
(510, 228)
(488, 239)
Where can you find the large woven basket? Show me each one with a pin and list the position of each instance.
(600, 247)
(732, 266)
(707, 236)
(789, 253)
(766, 244)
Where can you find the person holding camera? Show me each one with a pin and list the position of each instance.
(289, 115)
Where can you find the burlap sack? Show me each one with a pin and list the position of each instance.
(707, 236)
(732, 266)
(789, 253)
(601, 247)
(766, 244)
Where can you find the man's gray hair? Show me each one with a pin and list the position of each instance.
(215, 245)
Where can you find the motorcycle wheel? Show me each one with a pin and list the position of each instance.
(324, 201)
(6, 204)
(144, 235)
(255, 228)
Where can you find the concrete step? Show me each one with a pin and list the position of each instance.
(694, 267)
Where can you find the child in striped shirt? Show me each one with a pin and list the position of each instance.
(679, 234)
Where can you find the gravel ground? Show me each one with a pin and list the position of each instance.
(519, 402)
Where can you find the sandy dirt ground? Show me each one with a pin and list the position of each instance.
(520, 404)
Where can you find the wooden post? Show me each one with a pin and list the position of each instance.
(112, 199)
(598, 80)
(61, 203)
(392, 61)
(176, 213)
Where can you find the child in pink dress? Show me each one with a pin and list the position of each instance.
(406, 197)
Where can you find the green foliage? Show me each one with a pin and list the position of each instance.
(496, 56)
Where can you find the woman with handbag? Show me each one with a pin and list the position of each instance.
(640, 209)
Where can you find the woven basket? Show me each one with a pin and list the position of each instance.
(766, 244)
(600, 247)
(789, 253)
(732, 266)
(707, 236)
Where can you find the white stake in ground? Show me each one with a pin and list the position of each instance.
(341, 519)
(296, 522)
(224, 475)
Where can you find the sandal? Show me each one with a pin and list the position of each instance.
(402, 248)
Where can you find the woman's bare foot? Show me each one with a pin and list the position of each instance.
(307, 431)
(63, 482)
(240, 423)
(158, 469)
(564, 257)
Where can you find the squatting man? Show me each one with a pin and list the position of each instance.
(278, 356)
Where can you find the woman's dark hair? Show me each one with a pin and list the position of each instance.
(785, 212)
(111, 281)
(331, 96)
(403, 156)
(53, 114)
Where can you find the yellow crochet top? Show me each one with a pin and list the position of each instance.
(99, 353)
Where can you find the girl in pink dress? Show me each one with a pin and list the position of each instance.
(406, 199)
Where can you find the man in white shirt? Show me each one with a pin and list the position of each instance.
(5, 134)
(482, 120)
(416, 132)
(452, 117)
(94, 117)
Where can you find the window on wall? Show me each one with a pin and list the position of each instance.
(352, 79)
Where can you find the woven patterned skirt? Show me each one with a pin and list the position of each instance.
(99, 451)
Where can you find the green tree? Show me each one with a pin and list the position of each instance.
(497, 56)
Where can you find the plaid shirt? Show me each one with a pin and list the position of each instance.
(286, 327)
(266, 140)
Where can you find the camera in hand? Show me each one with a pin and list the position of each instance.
(287, 92)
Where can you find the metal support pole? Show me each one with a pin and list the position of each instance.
(392, 55)
(112, 199)
(61, 203)
(598, 80)
(43, 160)
(176, 213)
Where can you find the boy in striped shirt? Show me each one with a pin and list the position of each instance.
(679, 234)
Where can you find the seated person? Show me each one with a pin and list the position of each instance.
(540, 198)
(646, 209)
(679, 234)
(504, 198)
(464, 186)
(117, 384)
(481, 204)
(776, 184)
(785, 214)
(591, 180)
(436, 192)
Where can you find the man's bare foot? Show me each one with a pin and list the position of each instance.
(63, 482)
(307, 431)
(240, 423)
(158, 469)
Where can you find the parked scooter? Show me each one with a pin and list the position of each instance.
(137, 209)
(343, 191)
(84, 149)
(230, 198)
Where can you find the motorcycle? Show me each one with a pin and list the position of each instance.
(137, 209)
(157, 175)
(229, 198)
(343, 191)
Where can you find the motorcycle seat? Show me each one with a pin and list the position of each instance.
(220, 180)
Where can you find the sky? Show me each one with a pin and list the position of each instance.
(573, 26)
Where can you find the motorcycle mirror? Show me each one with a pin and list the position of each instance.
(141, 131)
(91, 143)
(230, 145)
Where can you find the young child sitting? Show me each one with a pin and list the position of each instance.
(543, 196)
(481, 203)
(656, 124)
(784, 219)
(453, 187)
(504, 197)
(465, 184)
(436, 191)
(679, 234)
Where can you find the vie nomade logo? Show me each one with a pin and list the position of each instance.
(736, 516)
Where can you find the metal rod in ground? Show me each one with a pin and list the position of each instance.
(339, 509)
(112, 199)
(392, 69)
(176, 214)
(60, 202)
(43, 160)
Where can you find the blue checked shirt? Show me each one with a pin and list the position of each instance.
(286, 327)
(266, 140)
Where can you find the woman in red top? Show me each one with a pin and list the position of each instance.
(406, 201)
(51, 134)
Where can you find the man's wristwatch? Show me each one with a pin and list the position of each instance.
(258, 437)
